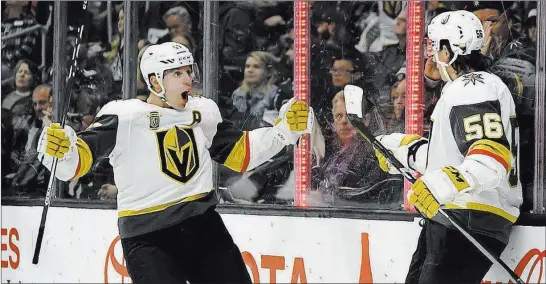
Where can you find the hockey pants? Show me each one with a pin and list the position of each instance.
(199, 250)
(445, 256)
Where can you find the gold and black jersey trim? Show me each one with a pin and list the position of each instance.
(485, 208)
(494, 150)
(86, 159)
(231, 147)
(96, 142)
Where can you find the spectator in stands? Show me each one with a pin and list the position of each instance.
(114, 57)
(286, 69)
(271, 20)
(29, 175)
(388, 11)
(236, 23)
(26, 78)
(334, 38)
(496, 18)
(15, 18)
(42, 102)
(16, 116)
(348, 175)
(257, 92)
(347, 68)
(343, 72)
(368, 24)
(395, 112)
(393, 56)
(235, 44)
(530, 26)
(178, 21)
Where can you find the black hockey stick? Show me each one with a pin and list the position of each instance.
(69, 87)
(353, 102)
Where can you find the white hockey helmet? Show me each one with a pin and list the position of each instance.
(159, 58)
(462, 29)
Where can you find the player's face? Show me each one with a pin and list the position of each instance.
(178, 83)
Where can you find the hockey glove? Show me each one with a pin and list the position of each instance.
(295, 119)
(439, 187)
(402, 146)
(56, 142)
(420, 197)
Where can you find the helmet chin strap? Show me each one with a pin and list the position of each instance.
(161, 94)
(443, 65)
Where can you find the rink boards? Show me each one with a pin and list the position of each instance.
(81, 245)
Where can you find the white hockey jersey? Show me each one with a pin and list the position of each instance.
(474, 122)
(162, 158)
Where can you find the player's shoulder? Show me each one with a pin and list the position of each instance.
(474, 87)
(204, 105)
(122, 107)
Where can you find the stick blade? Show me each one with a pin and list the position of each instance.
(353, 100)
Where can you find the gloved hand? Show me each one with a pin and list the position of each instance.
(420, 197)
(295, 119)
(439, 187)
(400, 145)
(56, 142)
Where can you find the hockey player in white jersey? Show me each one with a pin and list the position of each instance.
(469, 163)
(162, 153)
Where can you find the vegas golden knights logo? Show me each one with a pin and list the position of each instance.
(178, 153)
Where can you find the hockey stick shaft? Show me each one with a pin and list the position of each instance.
(69, 86)
(365, 132)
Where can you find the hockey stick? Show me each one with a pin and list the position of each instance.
(69, 86)
(353, 102)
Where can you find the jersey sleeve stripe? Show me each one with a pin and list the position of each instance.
(492, 149)
(247, 153)
(239, 156)
(86, 159)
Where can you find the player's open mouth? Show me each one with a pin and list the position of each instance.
(185, 95)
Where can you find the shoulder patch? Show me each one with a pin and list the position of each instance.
(154, 118)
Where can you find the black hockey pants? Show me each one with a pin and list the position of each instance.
(198, 250)
(445, 256)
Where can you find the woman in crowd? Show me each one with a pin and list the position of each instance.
(257, 92)
(26, 78)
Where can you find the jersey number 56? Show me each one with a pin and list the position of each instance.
(490, 126)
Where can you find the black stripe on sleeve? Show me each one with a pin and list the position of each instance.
(100, 136)
(227, 135)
